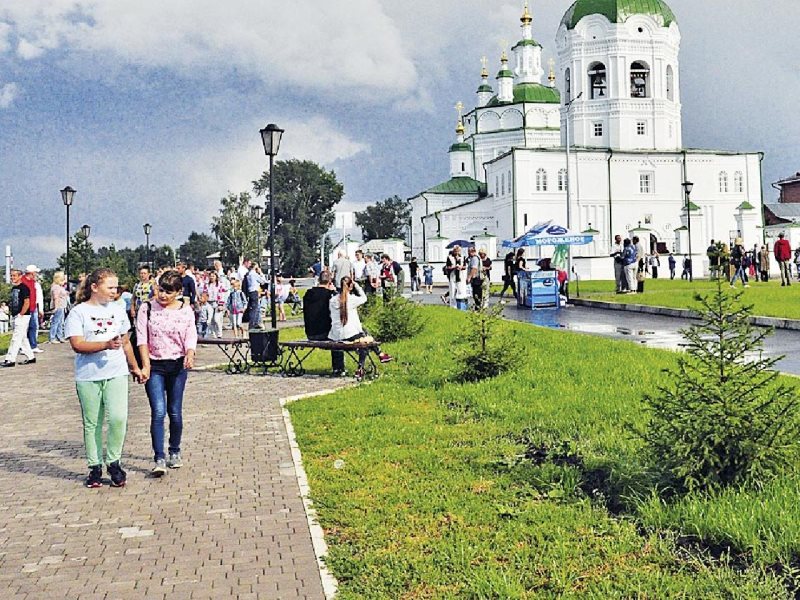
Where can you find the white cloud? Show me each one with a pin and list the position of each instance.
(8, 93)
(28, 51)
(5, 34)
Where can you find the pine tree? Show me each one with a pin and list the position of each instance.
(723, 417)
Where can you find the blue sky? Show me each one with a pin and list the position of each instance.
(153, 113)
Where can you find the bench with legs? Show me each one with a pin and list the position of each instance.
(298, 351)
(234, 349)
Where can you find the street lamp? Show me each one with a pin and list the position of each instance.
(568, 182)
(67, 195)
(687, 189)
(257, 212)
(271, 137)
(147, 229)
(85, 231)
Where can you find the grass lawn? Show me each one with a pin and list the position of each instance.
(432, 489)
(768, 299)
(5, 340)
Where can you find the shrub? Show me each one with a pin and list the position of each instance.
(484, 354)
(394, 319)
(722, 418)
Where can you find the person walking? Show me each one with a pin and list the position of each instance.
(737, 262)
(671, 262)
(455, 275)
(59, 300)
(216, 292)
(687, 268)
(5, 317)
(97, 328)
(341, 267)
(427, 273)
(630, 263)
(508, 275)
(654, 263)
(236, 304)
(281, 294)
(620, 279)
(20, 314)
(167, 338)
(783, 254)
(29, 279)
(763, 263)
(252, 287)
(413, 272)
(475, 277)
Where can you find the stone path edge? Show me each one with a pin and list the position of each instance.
(685, 313)
(329, 583)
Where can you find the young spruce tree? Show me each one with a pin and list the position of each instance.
(723, 417)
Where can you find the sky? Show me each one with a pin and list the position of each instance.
(151, 109)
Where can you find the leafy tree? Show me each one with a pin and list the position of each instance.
(305, 196)
(82, 257)
(385, 219)
(237, 229)
(723, 417)
(112, 259)
(197, 247)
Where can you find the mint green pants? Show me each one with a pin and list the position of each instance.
(100, 401)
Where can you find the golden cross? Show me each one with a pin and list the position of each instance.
(459, 107)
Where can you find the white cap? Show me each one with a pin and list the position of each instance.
(31, 269)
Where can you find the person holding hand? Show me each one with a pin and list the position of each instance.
(97, 329)
(167, 339)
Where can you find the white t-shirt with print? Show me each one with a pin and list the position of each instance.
(98, 323)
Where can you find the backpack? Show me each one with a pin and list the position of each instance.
(246, 285)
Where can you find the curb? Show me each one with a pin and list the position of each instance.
(684, 313)
(329, 583)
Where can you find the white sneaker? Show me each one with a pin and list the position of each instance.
(38, 350)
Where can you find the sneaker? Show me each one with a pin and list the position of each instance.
(38, 350)
(359, 374)
(118, 476)
(339, 373)
(746, 285)
(160, 468)
(95, 479)
(444, 299)
(30, 361)
(174, 461)
(8, 363)
(385, 358)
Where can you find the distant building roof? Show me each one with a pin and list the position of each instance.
(781, 212)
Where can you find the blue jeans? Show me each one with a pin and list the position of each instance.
(33, 329)
(254, 310)
(165, 392)
(57, 325)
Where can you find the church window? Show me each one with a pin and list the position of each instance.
(525, 219)
(738, 182)
(496, 186)
(463, 167)
(562, 180)
(598, 83)
(567, 86)
(641, 128)
(645, 183)
(723, 182)
(670, 130)
(541, 180)
(670, 83)
(510, 189)
(503, 183)
(640, 75)
(598, 130)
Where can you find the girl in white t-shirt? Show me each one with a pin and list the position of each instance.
(97, 329)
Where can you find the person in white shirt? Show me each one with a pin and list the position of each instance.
(359, 269)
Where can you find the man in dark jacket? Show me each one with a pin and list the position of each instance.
(317, 318)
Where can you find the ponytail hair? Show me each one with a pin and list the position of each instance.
(346, 282)
(94, 278)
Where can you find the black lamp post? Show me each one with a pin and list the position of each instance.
(687, 188)
(271, 137)
(257, 212)
(85, 231)
(67, 195)
(147, 229)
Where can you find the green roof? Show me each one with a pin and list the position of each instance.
(458, 185)
(504, 73)
(526, 43)
(460, 147)
(693, 206)
(618, 11)
(745, 206)
(590, 230)
(537, 93)
(485, 88)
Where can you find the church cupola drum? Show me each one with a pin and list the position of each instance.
(618, 63)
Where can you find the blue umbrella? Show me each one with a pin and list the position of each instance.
(462, 243)
(548, 233)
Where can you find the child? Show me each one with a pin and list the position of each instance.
(427, 271)
(294, 297)
(205, 315)
(167, 338)
(4, 317)
(97, 329)
(236, 305)
(281, 293)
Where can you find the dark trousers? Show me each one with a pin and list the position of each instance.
(337, 356)
(253, 312)
(508, 282)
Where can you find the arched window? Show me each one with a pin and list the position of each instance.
(567, 86)
(510, 188)
(562, 180)
(640, 79)
(723, 182)
(541, 180)
(670, 83)
(738, 182)
(598, 83)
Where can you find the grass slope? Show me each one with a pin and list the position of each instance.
(438, 496)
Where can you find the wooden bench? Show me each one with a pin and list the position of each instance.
(234, 349)
(299, 350)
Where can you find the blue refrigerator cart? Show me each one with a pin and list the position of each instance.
(538, 289)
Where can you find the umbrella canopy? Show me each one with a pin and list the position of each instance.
(462, 243)
(548, 233)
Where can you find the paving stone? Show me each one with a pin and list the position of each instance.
(230, 523)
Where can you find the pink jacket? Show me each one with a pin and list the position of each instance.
(167, 333)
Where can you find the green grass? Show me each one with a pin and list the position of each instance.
(5, 341)
(768, 299)
(435, 498)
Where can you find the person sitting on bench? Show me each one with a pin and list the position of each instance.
(346, 324)
(317, 318)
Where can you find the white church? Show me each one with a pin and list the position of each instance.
(609, 140)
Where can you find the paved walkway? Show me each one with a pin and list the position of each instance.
(230, 523)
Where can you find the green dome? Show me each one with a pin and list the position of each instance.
(462, 147)
(534, 93)
(618, 11)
